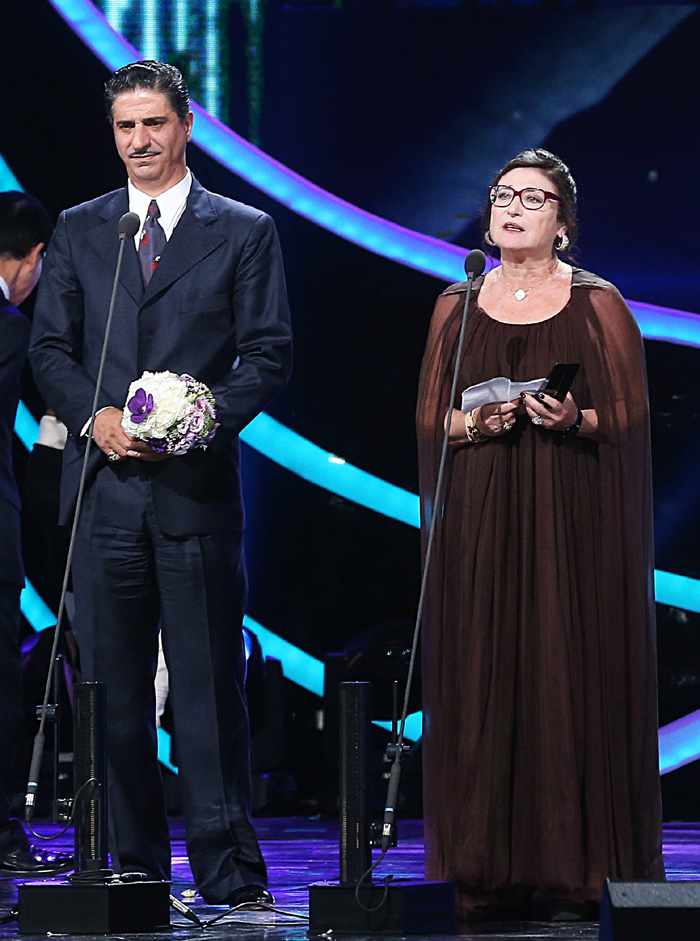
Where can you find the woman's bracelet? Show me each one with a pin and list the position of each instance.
(472, 432)
(575, 428)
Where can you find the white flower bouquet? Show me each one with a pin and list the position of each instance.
(173, 414)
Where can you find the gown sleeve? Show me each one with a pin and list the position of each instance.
(613, 357)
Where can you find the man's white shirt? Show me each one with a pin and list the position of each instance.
(172, 204)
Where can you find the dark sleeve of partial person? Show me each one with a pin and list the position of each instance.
(14, 342)
(57, 337)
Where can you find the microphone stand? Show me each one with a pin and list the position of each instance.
(403, 907)
(128, 227)
(474, 266)
(93, 902)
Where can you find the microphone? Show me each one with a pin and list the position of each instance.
(474, 263)
(390, 808)
(129, 224)
(35, 767)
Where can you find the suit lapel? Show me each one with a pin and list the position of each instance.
(193, 239)
(104, 239)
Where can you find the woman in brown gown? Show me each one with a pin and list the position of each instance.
(540, 738)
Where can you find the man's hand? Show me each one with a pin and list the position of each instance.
(144, 452)
(110, 437)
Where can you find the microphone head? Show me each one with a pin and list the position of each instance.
(474, 263)
(129, 224)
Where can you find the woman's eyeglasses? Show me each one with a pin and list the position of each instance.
(531, 197)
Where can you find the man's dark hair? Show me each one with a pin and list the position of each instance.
(149, 73)
(24, 223)
(559, 174)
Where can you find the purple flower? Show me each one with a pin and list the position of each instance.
(158, 444)
(140, 405)
(197, 422)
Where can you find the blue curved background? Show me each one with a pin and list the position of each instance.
(418, 251)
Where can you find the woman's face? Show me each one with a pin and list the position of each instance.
(530, 231)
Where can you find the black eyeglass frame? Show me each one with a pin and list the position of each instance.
(519, 193)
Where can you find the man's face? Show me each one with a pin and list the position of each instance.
(150, 139)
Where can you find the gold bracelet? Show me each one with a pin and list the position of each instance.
(474, 436)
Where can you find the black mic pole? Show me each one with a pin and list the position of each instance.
(474, 266)
(128, 226)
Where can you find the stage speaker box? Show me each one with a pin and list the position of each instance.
(90, 776)
(650, 911)
(97, 908)
(355, 719)
(399, 908)
(355, 905)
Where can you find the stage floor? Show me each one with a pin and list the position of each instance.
(301, 851)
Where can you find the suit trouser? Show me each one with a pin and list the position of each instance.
(12, 835)
(130, 578)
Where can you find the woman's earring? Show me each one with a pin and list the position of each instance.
(488, 239)
(563, 241)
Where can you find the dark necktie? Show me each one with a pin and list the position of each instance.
(152, 242)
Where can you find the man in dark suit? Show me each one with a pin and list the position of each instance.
(159, 540)
(25, 229)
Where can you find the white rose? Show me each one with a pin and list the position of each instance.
(170, 403)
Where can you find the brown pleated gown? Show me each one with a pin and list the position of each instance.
(540, 739)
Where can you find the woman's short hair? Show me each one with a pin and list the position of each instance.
(557, 171)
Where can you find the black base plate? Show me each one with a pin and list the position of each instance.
(407, 908)
(60, 907)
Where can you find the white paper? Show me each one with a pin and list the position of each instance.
(499, 389)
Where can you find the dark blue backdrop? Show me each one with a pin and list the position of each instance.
(408, 111)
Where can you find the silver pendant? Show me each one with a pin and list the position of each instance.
(520, 295)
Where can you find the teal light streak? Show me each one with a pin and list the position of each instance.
(413, 729)
(165, 750)
(664, 323)
(35, 609)
(678, 591)
(679, 742)
(92, 27)
(299, 667)
(8, 181)
(26, 426)
(307, 460)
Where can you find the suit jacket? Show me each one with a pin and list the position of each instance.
(14, 340)
(215, 308)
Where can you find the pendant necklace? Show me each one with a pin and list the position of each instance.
(522, 293)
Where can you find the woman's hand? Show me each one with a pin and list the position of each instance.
(496, 419)
(547, 412)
